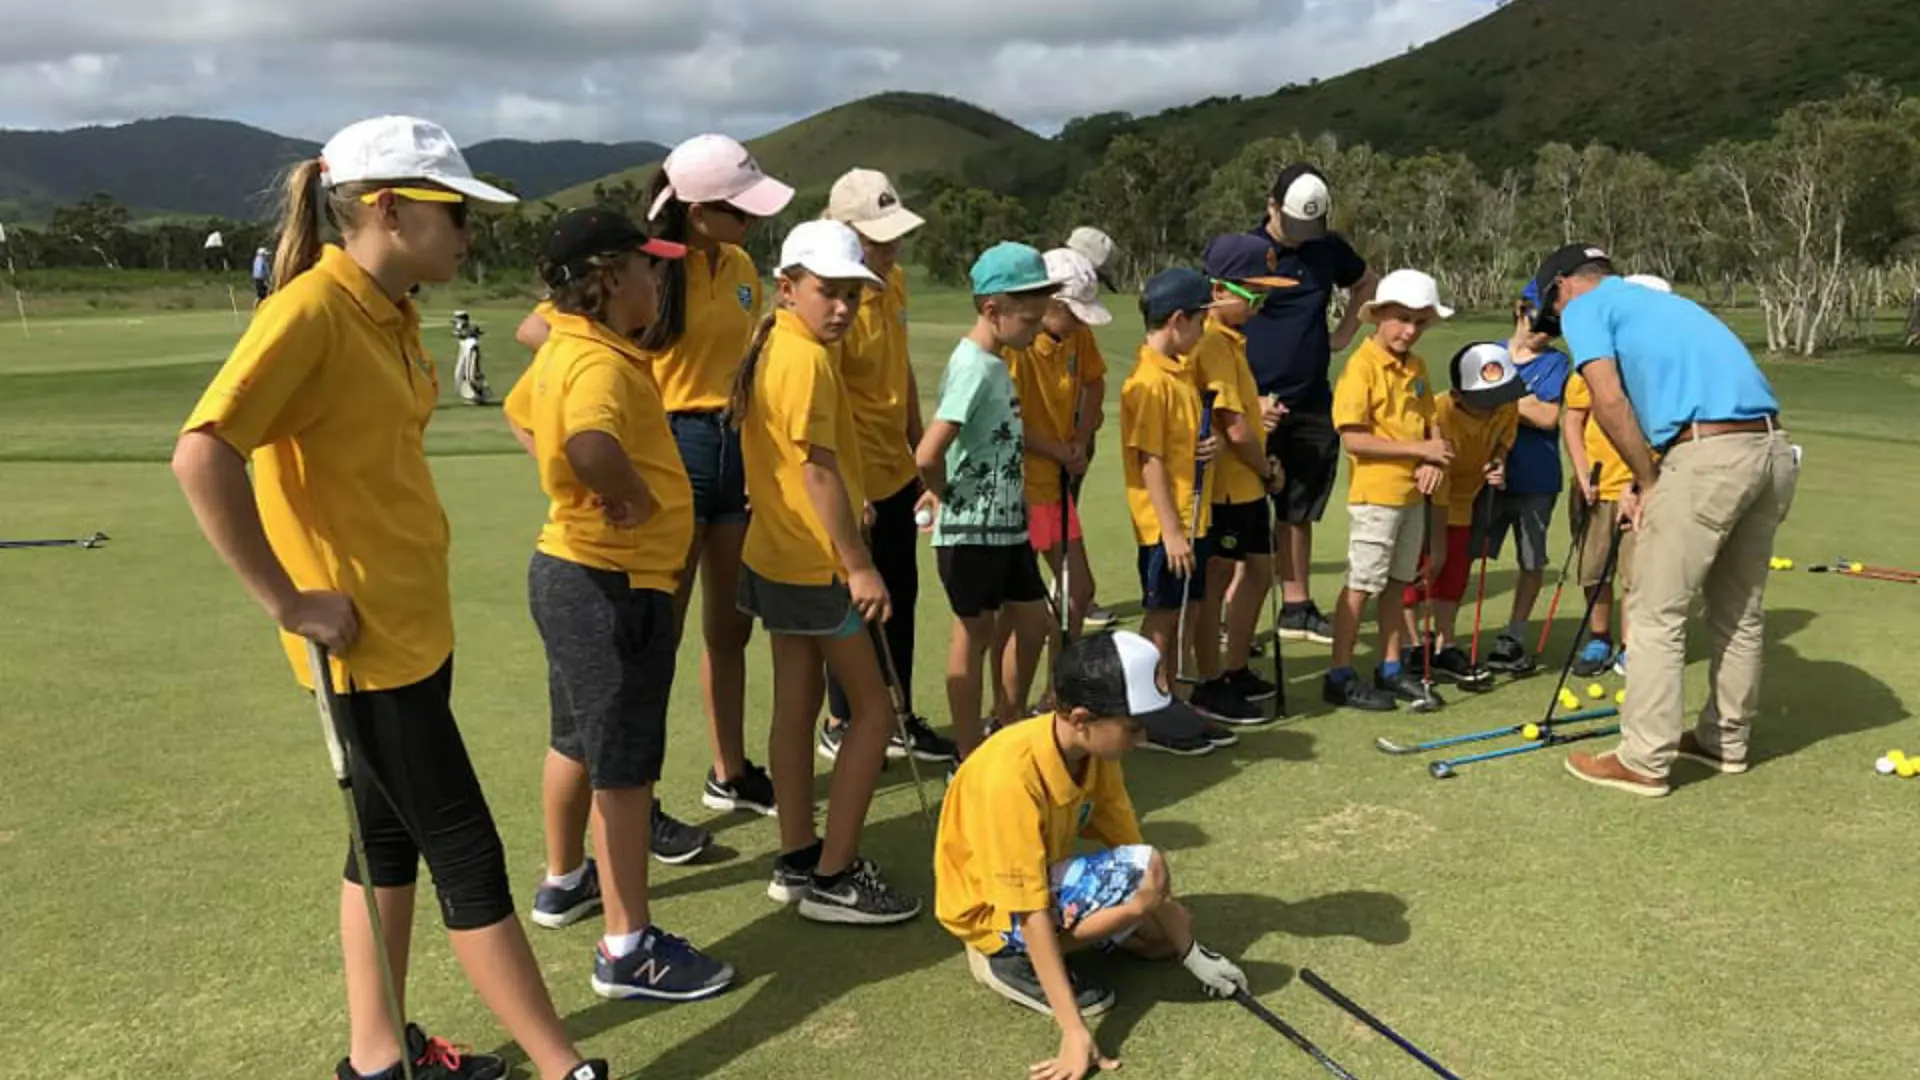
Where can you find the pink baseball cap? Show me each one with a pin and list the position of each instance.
(714, 168)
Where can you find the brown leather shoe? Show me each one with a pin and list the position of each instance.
(1606, 770)
(1691, 749)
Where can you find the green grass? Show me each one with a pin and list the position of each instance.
(169, 841)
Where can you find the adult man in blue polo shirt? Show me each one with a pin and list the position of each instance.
(1668, 376)
(1290, 350)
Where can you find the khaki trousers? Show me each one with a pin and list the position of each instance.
(1707, 532)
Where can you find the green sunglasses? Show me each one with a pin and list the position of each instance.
(1241, 291)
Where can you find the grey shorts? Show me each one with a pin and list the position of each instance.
(1526, 516)
(801, 610)
(610, 663)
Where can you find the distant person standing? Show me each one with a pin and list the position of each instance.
(1291, 351)
(1668, 377)
(262, 274)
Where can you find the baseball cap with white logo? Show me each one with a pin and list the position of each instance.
(392, 148)
(1410, 289)
(1304, 200)
(865, 199)
(1080, 286)
(715, 168)
(826, 249)
(1485, 375)
(1132, 686)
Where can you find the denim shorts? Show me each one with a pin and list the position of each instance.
(799, 610)
(710, 450)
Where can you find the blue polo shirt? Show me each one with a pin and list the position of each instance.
(1289, 345)
(1678, 361)
(1533, 465)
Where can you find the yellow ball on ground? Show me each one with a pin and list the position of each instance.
(1857, 567)
(1619, 697)
(1530, 731)
(1568, 701)
(1596, 691)
(1786, 564)
(1896, 756)
(1904, 768)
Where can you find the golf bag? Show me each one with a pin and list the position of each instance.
(468, 378)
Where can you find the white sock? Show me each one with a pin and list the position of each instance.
(569, 880)
(619, 945)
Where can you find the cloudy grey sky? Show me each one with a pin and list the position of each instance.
(666, 69)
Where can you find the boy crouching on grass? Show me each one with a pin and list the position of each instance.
(1383, 409)
(1007, 883)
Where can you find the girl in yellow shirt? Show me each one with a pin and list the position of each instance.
(809, 577)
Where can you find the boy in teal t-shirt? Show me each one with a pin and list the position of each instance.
(970, 459)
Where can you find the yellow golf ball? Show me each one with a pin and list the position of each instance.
(1786, 564)
(1619, 697)
(1530, 731)
(1896, 756)
(1857, 567)
(1568, 701)
(1904, 768)
(1596, 691)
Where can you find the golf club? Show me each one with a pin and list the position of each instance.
(319, 664)
(92, 541)
(1480, 598)
(1857, 567)
(890, 675)
(1063, 579)
(1275, 539)
(1388, 746)
(1429, 701)
(1354, 1010)
(1447, 769)
(1867, 573)
(1583, 516)
(1248, 1002)
(1184, 674)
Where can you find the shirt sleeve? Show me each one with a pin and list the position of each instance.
(1215, 361)
(1010, 847)
(519, 403)
(961, 389)
(258, 396)
(1353, 398)
(1588, 330)
(1148, 431)
(593, 398)
(1578, 396)
(1113, 822)
(1093, 365)
(1348, 266)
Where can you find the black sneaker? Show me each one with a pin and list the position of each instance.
(1218, 734)
(1355, 694)
(924, 743)
(596, 1069)
(1010, 974)
(554, 907)
(1220, 702)
(857, 896)
(1251, 686)
(1177, 729)
(675, 841)
(1406, 686)
(1510, 656)
(1099, 618)
(828, 745)
(664, 968)
(793, 874)
(751, 790)
(433, 1059)
(1453, 665)
(1303, 622)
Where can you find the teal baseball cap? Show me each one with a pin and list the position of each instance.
(1008, 267)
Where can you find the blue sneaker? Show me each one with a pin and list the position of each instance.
(664, 968)
(1620, 662)
(554, 907)
(1594, 657)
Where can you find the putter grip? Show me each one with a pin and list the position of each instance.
(319, 665)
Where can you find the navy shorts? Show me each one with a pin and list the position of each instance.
(1240, 530)
(710, 450)
(1160, 588)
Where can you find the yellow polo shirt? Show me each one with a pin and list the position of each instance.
(695, 373)
(1012, 811)
(1392, 398)
(1049, 376)
(1160, 415)
(874, 369)
(588, 378)
(329, 393)
(797, 403)
(1615, 476)
(1477, 441)
(1221, 362)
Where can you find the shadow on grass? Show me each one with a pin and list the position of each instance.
(1802, 701)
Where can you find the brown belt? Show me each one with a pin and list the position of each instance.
(1707, 429)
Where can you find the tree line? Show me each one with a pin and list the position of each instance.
(1819, 224)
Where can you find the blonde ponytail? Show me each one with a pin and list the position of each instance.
(743, 377)
(300, 208)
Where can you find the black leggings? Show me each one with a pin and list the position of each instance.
(896, 554)
(418, 796)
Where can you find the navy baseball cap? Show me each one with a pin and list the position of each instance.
(1170, 292)
(1244, 257)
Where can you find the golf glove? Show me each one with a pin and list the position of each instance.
(1219, 975)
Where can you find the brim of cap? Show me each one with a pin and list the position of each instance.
(764, 198)
(1271, 282)
(1494, 397)
(1294, 228)
(477, 190)
(1367, 309)
(663, 249)
(836, 269)
(1091, 312)
(889, 226)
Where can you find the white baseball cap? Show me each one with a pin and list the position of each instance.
(389, 148)
(865, 199)
(1079, 286)
(1304, 200)
(826, 249)
(1411, 289)
(715, 168)
(1651, 281)
(1092, 244)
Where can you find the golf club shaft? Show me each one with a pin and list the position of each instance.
(1426, 602)
(1506, 732)
(1586, 618)
(1248, 1002)
(1547, 740)
(1480, 599)
(1275, 538)
(1579, 544)
(321, 668)
(897, 694)
(1353, 1009)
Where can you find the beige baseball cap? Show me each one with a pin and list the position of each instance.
(865, 199)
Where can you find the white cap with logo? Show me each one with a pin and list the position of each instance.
(715, 168)
(826, 249)
(865, 199)
(391, 148)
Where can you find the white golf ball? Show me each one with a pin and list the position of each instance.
(1884, 766)
(923, 519)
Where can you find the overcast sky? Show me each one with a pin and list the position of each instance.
(666, 69)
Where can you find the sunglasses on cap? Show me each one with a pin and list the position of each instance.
(1244, 293)
(455, 202)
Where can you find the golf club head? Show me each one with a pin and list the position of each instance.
(1388, 746)
(1440, 770)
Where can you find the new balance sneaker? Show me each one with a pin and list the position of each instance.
(1099, 618)
(793, 874)
(1355, 693)
(831, 734)
(433, 1059)
(1304, 622)
(751, 790)
(1453, 665)
(1219, 701)
(924, 743)
(1593, 658)
(1407, 687)
(675, 841)
(1251, 686)
(857, 896)
(1010, 974)
(555, 907)
(664, 968)
(1510, 656)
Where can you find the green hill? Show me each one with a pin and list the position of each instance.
(1665, 77)
(910, 137)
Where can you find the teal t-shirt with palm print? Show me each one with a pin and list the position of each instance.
(986, 484)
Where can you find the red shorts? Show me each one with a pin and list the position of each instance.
(1452, 583)
(1043, 525)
